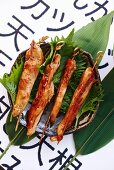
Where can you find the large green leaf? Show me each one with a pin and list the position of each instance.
(20, 132)
(16, 138)
(101, 130)
(94, 36)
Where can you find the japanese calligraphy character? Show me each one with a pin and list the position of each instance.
(1, 150)
(76, 163)
(103, 66)
(61, 20)
(4, 129)
(100, 6)
(39, 145)
(5, 55)
(11, 167)
(58, 159)
(17, 31)
(35, 4)
(110, 52)
(79, 7)
(62, 16)
(4, 107)
(62, 28)
(44, 11)
(17, 161)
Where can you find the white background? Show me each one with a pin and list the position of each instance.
(99, 160)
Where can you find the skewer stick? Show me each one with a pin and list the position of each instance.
(42, 39)
(59, 45)
(76, 52)
(17, 124)
(98, 58)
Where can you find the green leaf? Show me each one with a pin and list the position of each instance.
(21, 138)
(16, 138)
(95, 96)
(100, 131)
(99, 39)
(56, 40)
(74, 81)
(94, 36)
(10, 81)
(69, 39)
(10, 143)
(47, 59)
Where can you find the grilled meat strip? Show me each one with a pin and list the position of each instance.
(33, 58)
(69, 69)
(43, 96)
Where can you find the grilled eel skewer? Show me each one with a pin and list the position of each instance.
(43, 95)
(33, 58)
(69, 69)
(78, 98)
